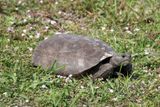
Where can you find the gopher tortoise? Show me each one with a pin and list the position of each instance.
(79, 55)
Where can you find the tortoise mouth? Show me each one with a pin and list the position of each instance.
(124, 70)
(125, 62)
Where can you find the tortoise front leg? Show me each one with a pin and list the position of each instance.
(104, 71)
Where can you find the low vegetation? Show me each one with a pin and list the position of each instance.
(127, 25)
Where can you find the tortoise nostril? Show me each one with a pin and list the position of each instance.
(123, 55)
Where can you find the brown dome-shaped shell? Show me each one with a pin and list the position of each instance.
(75, 53)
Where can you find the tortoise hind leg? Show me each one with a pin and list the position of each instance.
(104, 71)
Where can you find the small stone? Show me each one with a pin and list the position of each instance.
(10, 29)
(114, 99)
(45, 38)
(58, 33)
(28, 11)
(5, 93)
(19, 2)
(103, 28)
(96, 87)
(158, 87)
(44, 86)
(22, 34)
(67, 79)
(30, 28)
(126, 28)
(30, 36)
(30, 49)
(27, 101)
(56, 2)
(146, 52)
(129, 32)
(82, 87)
(24, 20)
(46, 28)
(37, 35)
(41, 1)
(60, 12)
(136, 29)
(24, 31)
(112, 30)
(53, 22)
(16, 8)
(111, 90)
(84, 105)
(70, 75)
(29, 16)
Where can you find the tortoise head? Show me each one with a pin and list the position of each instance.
(122, 64)
(121, 60)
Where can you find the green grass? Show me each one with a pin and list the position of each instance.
(133, 27)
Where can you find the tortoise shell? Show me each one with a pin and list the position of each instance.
(75, 53)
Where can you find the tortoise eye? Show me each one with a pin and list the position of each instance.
(127, 55)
